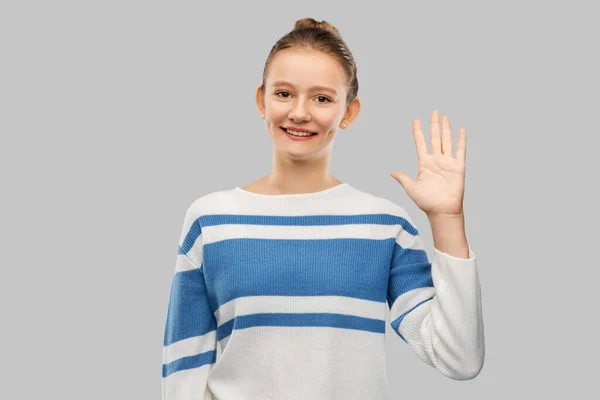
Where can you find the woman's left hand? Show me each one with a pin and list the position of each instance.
(439, 188)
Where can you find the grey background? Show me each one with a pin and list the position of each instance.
(116, 115)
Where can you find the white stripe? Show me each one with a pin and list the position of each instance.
(217, 233)
(299, 304)
(188, 384)
(408, 300)
(223, 342)
(183, 263)
(405, 240)
(190, 347)
(348, 201)
(309, 363)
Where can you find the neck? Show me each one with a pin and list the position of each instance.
(299, 176)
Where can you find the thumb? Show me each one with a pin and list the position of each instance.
(402, 179)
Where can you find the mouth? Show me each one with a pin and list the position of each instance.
(299, 136)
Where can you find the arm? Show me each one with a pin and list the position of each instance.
(436, 306)
(190, 337)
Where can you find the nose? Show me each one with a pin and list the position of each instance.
(299, 112)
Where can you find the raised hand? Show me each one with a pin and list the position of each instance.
(440, 184)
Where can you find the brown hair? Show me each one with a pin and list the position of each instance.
(321, 36)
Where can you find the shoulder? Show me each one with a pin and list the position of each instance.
(216, 202)
(380, 205)
(390, 212)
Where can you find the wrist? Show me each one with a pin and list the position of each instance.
(448, 216)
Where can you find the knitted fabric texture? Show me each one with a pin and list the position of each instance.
(285, 297)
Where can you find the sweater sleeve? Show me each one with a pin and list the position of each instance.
(435, 307)
(190, 337)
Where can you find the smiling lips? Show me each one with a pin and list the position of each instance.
(293, 128)
(294, 137)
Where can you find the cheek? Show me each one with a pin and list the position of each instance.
(326, 119)
(276, 108)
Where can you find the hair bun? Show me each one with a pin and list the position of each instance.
(313, 23)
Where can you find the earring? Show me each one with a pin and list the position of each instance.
(343, 125)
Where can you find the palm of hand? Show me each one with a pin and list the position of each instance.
(439, 187)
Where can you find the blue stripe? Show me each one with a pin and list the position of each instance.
(410, 269)
(342, 321)
(351, 267)
(396, 323)
(190, 237)
(189, 313)
(225, 329)
(189, 362)
(304, 220)
(356, 268)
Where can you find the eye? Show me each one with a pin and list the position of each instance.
(287, 93)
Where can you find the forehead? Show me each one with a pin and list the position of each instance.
(305, 68)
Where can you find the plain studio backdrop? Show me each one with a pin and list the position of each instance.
(116, 115)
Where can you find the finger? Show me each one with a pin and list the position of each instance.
(436, 147)
(446, 136)
(419, 138)
(461, 152)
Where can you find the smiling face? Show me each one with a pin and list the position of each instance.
(304, 89)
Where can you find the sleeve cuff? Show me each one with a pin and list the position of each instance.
(441, 253)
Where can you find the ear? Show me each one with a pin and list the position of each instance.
(260, 101)
(352, 111)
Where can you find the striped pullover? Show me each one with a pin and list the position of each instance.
(285, 297)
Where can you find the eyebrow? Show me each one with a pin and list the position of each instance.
(314, 88)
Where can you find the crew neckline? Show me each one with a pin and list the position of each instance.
(293, 195)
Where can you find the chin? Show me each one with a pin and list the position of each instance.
(294, 154)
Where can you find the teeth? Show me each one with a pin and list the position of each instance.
(296, 133)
